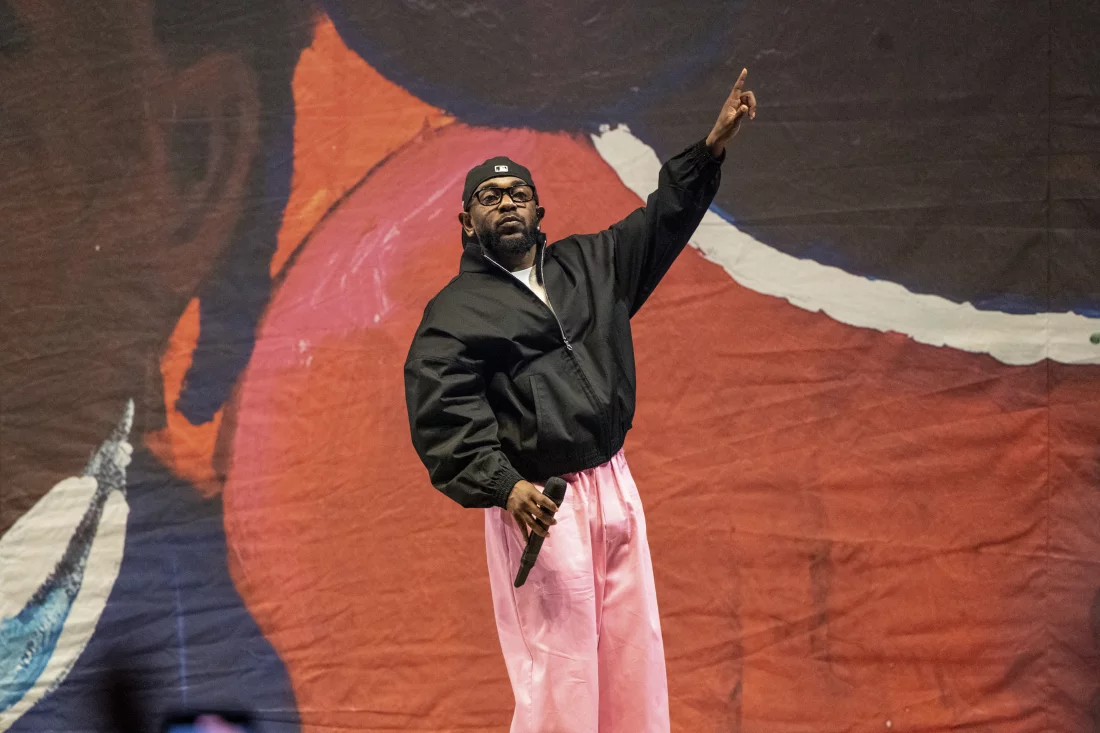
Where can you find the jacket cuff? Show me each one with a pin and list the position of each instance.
(701, 152)
(503, 481)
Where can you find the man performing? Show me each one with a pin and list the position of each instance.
(523, 369)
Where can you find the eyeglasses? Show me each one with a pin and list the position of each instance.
(520, 193)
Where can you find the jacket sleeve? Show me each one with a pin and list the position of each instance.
(453, 427)
(648, 240)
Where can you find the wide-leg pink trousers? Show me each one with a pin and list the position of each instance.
(582, 637)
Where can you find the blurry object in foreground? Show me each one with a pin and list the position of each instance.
(209, 723)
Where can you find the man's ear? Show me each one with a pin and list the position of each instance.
(467, 223)
(209, 117)
(539, 213)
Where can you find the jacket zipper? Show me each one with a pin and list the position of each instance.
(568, 346)
(545, 305)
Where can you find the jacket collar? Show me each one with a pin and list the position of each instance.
(474, 260)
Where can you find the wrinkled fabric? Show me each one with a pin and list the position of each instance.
(582, 637)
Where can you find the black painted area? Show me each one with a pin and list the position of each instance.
(953, 148)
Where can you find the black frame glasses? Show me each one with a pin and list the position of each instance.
(495, 194)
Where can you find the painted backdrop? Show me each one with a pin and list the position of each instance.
(868, 435)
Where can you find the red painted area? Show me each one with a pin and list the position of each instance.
(848, 528)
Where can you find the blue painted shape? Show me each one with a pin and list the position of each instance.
(174, 566)
(234, 298)
(29, 639)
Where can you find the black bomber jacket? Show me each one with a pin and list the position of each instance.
(500, 387)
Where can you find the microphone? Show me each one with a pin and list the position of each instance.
(555, 492)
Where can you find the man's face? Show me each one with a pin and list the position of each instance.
(508, 227)
(100, 244)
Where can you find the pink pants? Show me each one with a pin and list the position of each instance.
(582, 637)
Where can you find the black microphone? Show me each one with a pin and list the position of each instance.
(555, 492)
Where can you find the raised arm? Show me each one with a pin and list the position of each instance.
(648, 241)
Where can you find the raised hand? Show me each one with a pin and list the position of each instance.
(740, 104)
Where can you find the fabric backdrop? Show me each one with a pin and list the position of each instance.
(868, 430)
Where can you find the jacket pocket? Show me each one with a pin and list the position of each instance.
(551, 417)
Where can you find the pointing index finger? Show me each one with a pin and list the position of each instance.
(740, 81)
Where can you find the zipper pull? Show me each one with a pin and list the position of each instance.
(568, 345)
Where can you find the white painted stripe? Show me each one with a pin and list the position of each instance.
(32, 547)
(29, 551)
(857, 301)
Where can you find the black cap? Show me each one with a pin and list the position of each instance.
(499, 166)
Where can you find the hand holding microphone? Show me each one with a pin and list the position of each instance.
(536, 510)
(532, 510)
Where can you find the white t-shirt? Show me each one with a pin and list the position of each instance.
(527, 277)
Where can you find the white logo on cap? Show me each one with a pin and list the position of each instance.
(500, 169)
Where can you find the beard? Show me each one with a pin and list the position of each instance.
(509, 246)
